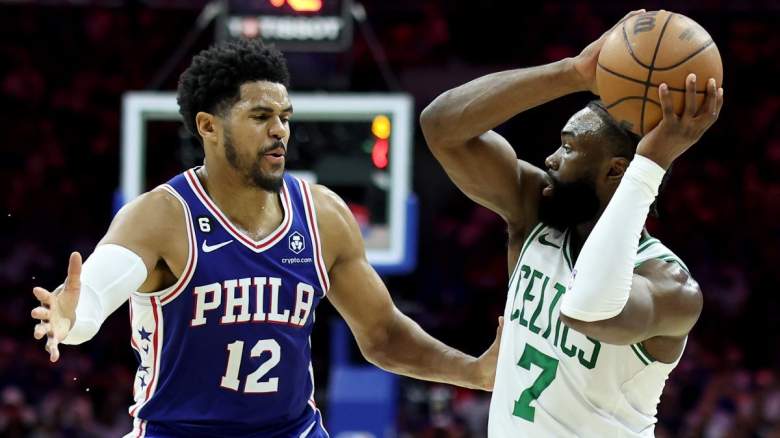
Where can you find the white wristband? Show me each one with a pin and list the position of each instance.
(601, 279)
(647, 173)
(108, 277)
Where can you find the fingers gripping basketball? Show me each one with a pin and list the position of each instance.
(649, 49)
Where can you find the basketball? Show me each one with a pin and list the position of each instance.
(649, 49)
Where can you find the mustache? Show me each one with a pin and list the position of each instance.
(274, 145)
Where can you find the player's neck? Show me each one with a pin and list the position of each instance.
(254, 210)
(582, 231)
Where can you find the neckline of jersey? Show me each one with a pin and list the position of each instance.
(255, 245)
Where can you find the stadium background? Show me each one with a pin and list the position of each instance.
(65, 65)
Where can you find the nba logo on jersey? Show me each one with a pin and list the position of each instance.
(296, 242)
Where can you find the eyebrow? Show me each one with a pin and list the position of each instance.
(266, 109)
(567, 134)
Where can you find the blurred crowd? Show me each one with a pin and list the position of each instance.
(67, 66)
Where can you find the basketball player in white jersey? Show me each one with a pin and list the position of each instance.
(207, 264)
(597, 312)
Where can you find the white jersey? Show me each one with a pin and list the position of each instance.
(552, 381)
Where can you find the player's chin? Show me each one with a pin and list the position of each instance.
(267, 178)
(270, 167)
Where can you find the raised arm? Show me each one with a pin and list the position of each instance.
(386, 337)
(608, 299)
(127, 259)
(458, 129)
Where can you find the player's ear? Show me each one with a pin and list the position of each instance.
(207, 125)
(617, 167)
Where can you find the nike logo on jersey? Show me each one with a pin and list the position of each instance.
(543, 240)
(209, 248)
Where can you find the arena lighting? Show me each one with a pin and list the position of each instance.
(380, 127)
(300, 5)
(379, 153)
(293, 25)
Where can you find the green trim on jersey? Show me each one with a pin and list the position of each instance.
(668, 258)
(567, 248)
(647, 244)
(514, 273)
(678, 261)
(536, 230)
(644, 351)
(522, 251)
(641, 353)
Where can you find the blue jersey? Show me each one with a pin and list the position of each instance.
(226, 351)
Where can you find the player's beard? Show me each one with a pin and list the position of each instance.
(570, 204)
(252, 172)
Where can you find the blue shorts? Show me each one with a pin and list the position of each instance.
(312, 428)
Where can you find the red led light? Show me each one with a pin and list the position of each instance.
(379, 153)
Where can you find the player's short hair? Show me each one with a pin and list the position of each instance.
(212, 82)
(622, 141)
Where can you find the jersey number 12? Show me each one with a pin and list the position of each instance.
(253, 383)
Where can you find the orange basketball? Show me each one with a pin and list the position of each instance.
(649, 49)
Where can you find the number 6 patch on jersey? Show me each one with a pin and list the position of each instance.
(204, 223)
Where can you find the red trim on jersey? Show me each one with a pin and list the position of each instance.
(156, 349)
(321, 272)
(191, 260)
(133, 344)
(141, 429)
(256, 246)
(155, 345)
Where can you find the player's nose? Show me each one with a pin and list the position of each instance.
(278, 129)
(552, 161)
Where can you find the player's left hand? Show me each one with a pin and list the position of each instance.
(486, 364)
(585, 63)
(676, 134)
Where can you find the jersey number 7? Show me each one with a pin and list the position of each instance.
(549, 366)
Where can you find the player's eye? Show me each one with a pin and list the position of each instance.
(262, 117)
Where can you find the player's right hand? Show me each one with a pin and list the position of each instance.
(585, 63)
(676, 134)
(57, 311)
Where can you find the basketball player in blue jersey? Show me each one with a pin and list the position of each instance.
(597, 312)
(224, 267)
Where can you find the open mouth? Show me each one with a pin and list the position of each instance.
(277, 152)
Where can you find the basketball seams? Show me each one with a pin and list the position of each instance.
(630, 49)
(639, 81)
(630, 83)
(688, 58)
(650, 72)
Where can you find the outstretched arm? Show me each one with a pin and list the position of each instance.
(123, 262)
(386, 337)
